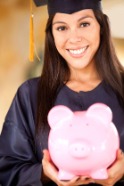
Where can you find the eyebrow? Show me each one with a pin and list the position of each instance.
(84, 17)
(62, 22)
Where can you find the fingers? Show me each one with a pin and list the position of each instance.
(76, 181)
(46, 155)
(49, 170)
(114, 172)
(120, 154)
(87, 180)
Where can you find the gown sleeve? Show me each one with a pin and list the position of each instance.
(19, 165)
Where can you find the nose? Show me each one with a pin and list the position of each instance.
(75, 36)
(79, 150)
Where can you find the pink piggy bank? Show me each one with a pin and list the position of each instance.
(82, 142)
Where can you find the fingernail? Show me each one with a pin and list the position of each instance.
(86, 178)
(121, 153)
(77, 178)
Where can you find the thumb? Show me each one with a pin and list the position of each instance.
(46, 155)
(120, 154)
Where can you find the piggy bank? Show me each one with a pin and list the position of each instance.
(82, 142)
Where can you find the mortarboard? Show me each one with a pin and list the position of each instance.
(68, 6)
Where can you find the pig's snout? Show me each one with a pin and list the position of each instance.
(79, 150)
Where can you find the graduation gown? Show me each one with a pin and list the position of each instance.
(20, 150)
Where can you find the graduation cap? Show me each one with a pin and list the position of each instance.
(68, 6)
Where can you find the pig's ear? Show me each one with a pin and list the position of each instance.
(100, 111)
(59, 114)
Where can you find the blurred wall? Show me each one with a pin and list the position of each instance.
(15, 67)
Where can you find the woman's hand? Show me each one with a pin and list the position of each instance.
(51, 172)
(115, 172)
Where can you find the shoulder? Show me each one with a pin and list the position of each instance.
(28, 88)
(29, 85)
(26, 95)
(24, 101)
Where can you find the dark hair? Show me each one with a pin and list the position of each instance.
(107, 63)
(55, 69)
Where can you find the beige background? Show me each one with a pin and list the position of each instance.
(15, 67)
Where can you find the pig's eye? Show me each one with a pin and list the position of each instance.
(70, 125)
(87, 124)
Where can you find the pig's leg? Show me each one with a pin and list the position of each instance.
(64, 175)
(99, 174)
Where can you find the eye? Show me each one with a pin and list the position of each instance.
(61, 28)
(84, 24)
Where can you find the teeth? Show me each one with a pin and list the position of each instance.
(79, 51)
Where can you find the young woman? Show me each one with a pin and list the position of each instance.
(80, 68)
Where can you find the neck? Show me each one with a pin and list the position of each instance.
(84, 75)
(85, 80)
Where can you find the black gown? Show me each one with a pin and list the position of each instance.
(21, 151)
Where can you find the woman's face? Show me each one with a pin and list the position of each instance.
(77, 37)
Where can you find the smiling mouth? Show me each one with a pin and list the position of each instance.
(78, 51)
